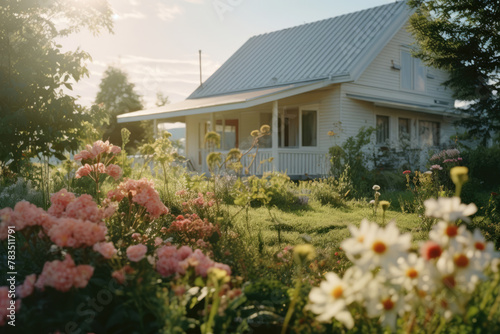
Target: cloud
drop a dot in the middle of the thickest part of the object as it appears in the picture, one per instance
(130, 15)
(195, 1)
(167, 13)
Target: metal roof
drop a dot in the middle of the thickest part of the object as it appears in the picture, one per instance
(343, 45)
(221, 103)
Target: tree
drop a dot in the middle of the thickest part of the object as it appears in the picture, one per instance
(36, 117)
(463, 37)
(161, 99)
(118, 96)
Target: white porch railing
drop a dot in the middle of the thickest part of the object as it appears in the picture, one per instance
(296, 162)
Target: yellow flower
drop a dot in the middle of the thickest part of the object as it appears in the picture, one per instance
(218, 275)
(385, 205)
(459, 175)
(303, 253)
(254, 133)
(331, 133)
(265, 129)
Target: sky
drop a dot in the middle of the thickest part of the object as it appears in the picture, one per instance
(156, 42)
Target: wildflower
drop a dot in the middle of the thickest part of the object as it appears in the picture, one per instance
(355, 245)
(410, 272)
(331, 133)
(218, 275)
(106, 249)
(114, 171)
(430, 250)
(303, 253)
(26, 289)
(436, 167)
(459, 175)
(382, 247)
(63, 275)
(330, 299)
(136, 253)
(254, 133)
(386, 304)
(407, 172)
(376, 187)
(372, 202)
(265, 129)
(445, 234)
(385, 205)
(70, 232)
(449, 209)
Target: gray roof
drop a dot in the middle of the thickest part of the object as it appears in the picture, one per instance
(339, 46)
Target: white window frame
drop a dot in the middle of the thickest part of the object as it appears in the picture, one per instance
(387, 142)
(439, 134)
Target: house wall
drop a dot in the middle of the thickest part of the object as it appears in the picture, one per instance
(380, 73)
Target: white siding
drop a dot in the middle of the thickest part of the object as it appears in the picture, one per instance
(380, 73)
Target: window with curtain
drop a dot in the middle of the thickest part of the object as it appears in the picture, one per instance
(429, 133)
(404, 128)
(413, 73)
(382, 129)
(309, 127)
(228, 131)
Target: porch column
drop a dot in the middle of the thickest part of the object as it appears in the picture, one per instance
(275, 130)
(212, 121)
(155, 129)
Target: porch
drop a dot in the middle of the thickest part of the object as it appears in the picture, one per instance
(297, 163)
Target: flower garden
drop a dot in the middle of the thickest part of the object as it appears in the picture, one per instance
(99, 245)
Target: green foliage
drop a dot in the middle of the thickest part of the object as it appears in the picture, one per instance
(118, 96)
(484, 165)
(461, 37)
(331, 191)
(38, 118)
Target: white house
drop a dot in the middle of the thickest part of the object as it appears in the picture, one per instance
(354, 70)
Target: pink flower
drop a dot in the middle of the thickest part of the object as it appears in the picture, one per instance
(119, 276)
(136, 236)
(83, 171)
(114, 171)
(437, 167)
(83, 208)
(106, 249)
(158, 241)
(83, 155)
(137, 252)
(69, 232)
(407, 172)
(63, 275)
(26, 289)
(60, 201)
(115, 149)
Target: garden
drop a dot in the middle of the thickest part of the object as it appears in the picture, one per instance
(98, 244)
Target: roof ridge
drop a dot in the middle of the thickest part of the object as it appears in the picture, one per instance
(329, 18)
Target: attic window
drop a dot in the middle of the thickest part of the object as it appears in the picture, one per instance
(413, 73)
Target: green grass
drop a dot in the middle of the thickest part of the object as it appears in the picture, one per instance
(327, 226)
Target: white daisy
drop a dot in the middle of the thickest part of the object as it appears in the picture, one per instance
(445, 234)
(411, 272)
(355, 245)
(329, 300)
(387, 305)
(449, 209)
(383, 247)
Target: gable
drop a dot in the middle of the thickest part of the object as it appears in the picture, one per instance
(316, 51)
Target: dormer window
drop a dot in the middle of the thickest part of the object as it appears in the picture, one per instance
(413, 73)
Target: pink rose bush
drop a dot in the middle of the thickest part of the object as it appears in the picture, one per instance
(190, 228)
(137, 252)
(140, 192)
(177, 261)
(63, 275)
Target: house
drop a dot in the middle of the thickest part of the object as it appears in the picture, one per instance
(352, 70)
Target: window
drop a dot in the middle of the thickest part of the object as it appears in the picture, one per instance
(228, 131)
(404, 128)
(382, 129)
(429, 133)
(289, 128)
(298, 127)
(309, 127)
(413, 73)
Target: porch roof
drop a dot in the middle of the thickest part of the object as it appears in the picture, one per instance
(407, 105)
(223, 102)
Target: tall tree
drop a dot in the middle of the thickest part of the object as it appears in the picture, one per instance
(36, 117)
(118, 96)
(463, 37)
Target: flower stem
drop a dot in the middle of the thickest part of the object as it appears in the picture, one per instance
(295, 298)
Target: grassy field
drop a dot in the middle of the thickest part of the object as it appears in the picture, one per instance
(327, 226)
